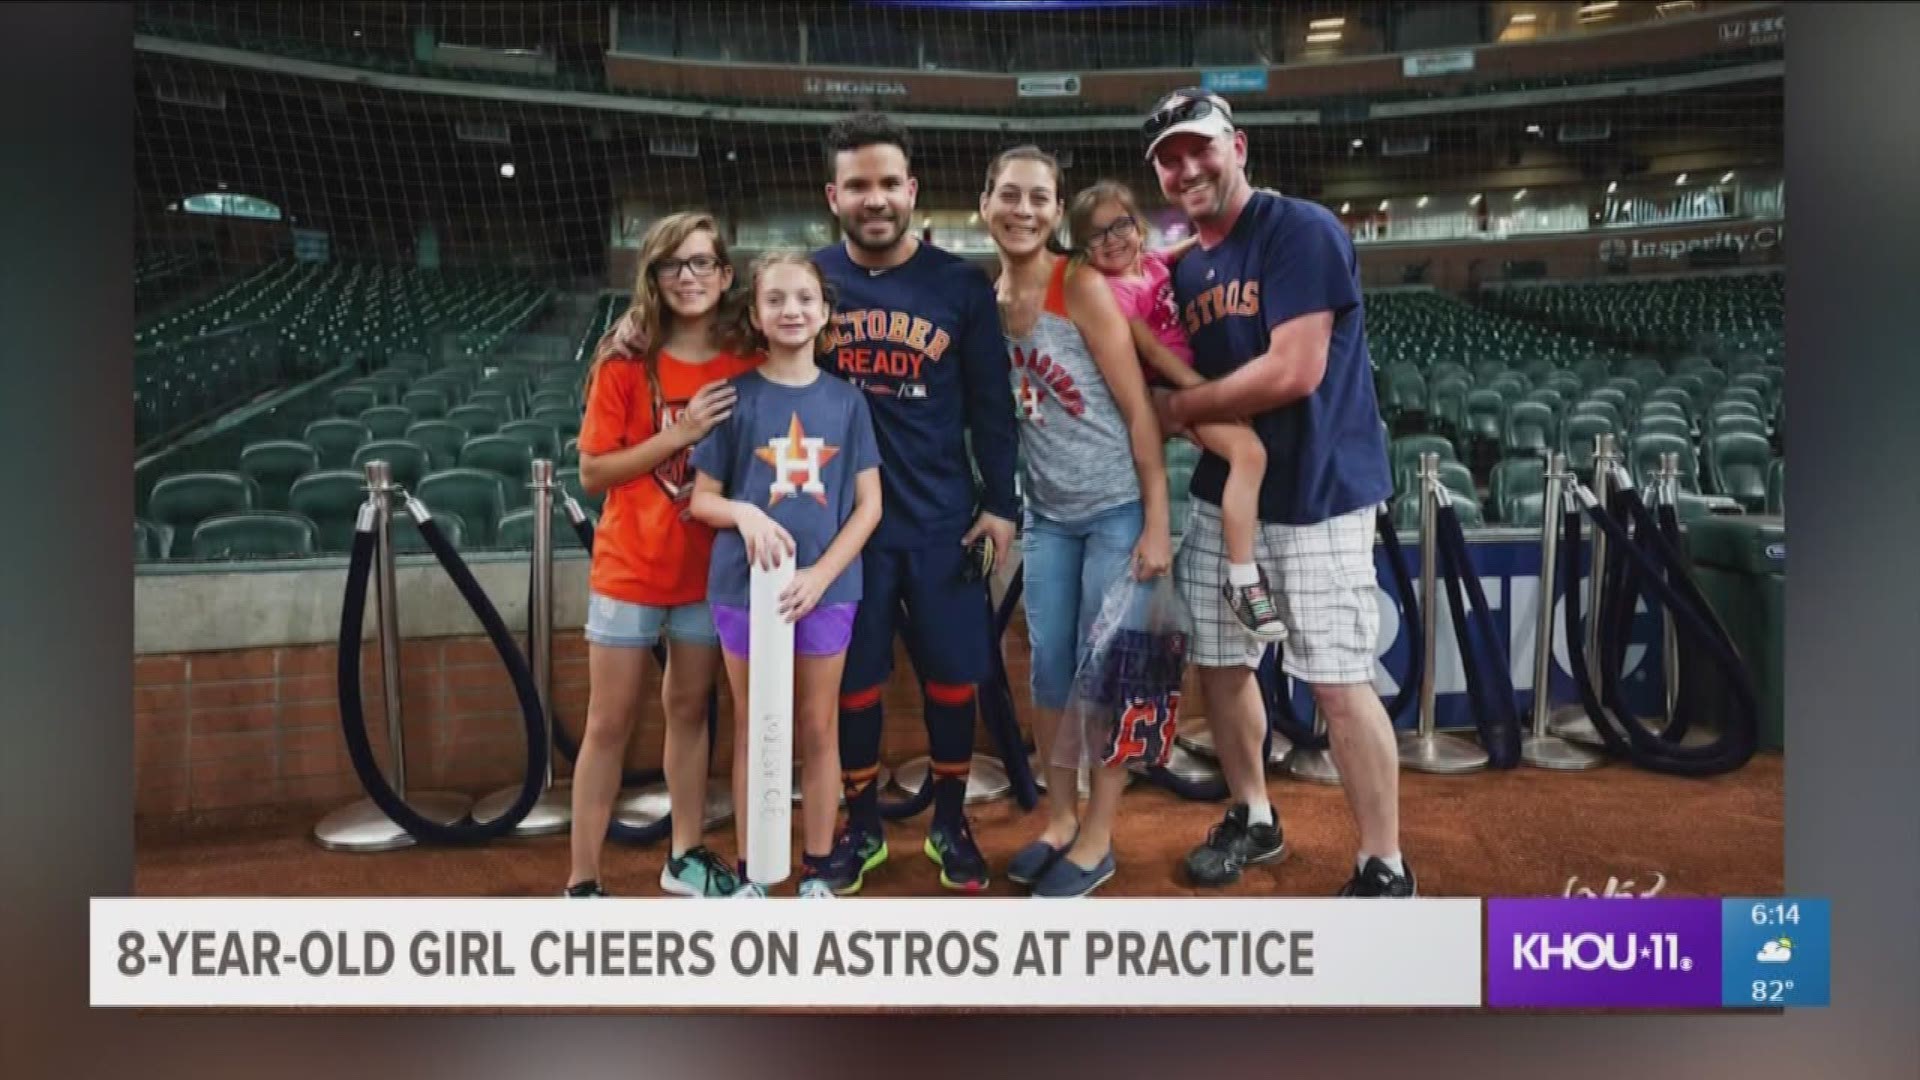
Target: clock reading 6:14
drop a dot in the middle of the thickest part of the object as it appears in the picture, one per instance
(1775, 914)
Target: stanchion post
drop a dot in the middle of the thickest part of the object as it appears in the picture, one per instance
(553, 812)
(1669, 495)
(1541, 749)
(386, 592)
(362, 826)
(1573, 724)
(1427, 750)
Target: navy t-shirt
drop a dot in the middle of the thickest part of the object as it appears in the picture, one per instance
(923, 341)
(1287, 257)
(794, 452)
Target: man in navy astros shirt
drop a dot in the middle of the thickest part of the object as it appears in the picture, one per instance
(918, 329)
(1270, 298)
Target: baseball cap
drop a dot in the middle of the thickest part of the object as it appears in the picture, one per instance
(1189, 110)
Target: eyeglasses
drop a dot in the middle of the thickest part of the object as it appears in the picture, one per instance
(1193, 108)
(1120, 228)
(702, 266)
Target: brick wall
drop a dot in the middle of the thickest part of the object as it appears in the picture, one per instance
(260, 727)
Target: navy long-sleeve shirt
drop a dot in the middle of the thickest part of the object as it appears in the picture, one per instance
(923, 340)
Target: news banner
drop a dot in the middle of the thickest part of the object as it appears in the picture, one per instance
(1558, 953)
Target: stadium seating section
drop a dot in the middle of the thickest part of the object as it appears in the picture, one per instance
(1489, 386)
(291, 321)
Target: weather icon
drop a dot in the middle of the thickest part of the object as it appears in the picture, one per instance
(1777, 951)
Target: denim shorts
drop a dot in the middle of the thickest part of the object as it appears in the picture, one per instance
(1068, 567)
(622, 625)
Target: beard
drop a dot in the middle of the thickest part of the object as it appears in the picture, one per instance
(853, 226)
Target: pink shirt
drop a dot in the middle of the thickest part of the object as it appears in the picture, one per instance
(1150, 299)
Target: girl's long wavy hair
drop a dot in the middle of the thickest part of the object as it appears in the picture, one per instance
(649, 307)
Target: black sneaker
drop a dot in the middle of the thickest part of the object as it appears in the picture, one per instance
(1376, 879)
(585, 890)
(1254, 609)
(1232, 845)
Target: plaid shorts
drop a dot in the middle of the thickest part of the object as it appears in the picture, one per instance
(1323, 583)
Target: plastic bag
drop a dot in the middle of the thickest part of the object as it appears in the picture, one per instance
(1124, 707)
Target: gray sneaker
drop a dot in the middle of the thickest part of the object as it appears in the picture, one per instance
(1253, 607)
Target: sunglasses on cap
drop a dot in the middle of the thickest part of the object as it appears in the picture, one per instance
(1197, 106)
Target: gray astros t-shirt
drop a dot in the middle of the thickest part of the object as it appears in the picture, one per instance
(1079, 454)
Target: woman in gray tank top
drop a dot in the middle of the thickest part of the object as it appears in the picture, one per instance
(1096, 487)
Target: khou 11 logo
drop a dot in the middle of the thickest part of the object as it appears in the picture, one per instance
(1594, 953)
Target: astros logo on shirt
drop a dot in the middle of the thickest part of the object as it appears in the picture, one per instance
(675, 474)
(1027, 399)
(797, 459)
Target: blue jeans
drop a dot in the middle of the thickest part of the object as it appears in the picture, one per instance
(1068, 566)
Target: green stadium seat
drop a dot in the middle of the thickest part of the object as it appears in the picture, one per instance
(430, 403)
(387, 421)
(1737, 463)
(570, 479)
(351, 401)
(183, 500)
(1406, 512)
(541, 438)
(1676, 394)
(503, 403)
(1777, 486)
(1577, 437)
(1748, 394)
(331, 499)
(1567, 384)
(516, 530)
(407, 539)
(564, 421)
(1554, 400)
(151, 542)
(1530, 429)
(441, 439)
(1623, 406)
(257, 534)
(476, 419)
(1447, 404)
(477, 495)
(505, 455)
(1736, 421)
(570, 452)
(552, 399)
(1525, 510)
(407, 460)
(1663, 423)
(1457, 478)
(1485, 411)
(1616, 419)
(1511, 479)
(1511, 386)
(1404, 456)
(1666, 408)
(336, 439)
(1643, 459)
(274, 464)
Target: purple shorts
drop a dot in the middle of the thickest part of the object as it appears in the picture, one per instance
(824, 631)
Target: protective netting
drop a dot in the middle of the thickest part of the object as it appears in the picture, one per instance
(326, 188)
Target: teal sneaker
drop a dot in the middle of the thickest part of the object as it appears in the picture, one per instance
(698, 873)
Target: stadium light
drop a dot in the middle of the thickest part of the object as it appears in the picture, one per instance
(1727, 178)
(1421, 203)
(1474, 199)
(506, 169)
(1327, 24)
(1612, 186)
(1680, 181)
(1522, 18)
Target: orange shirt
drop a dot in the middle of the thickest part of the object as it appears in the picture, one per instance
(644, 550)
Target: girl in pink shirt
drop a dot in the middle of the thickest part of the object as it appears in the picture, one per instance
(1105, 221)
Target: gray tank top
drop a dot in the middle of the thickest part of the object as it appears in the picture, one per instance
(1079, 457)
